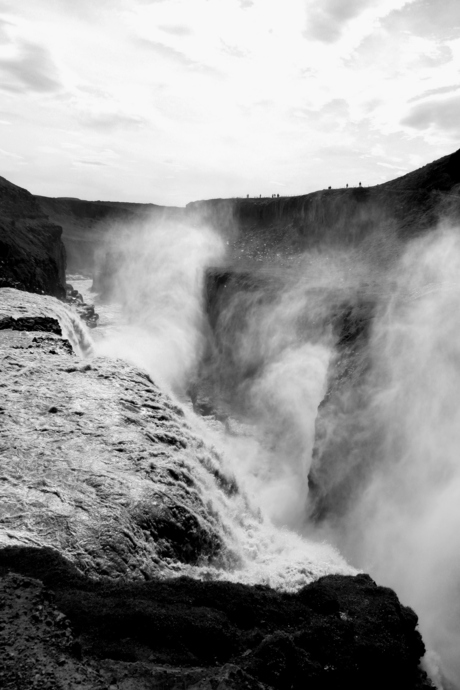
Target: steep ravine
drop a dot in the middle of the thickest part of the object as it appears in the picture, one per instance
(164, 504)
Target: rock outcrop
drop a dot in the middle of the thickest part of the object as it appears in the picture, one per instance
(68, 629)
(32, 255)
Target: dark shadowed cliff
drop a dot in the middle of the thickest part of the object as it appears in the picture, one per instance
(32, 255)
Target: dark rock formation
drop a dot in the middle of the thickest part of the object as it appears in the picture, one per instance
(337, 632)
(31, 323)
(32, 255)
(85, 311)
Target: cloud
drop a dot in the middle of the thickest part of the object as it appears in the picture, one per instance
(334, 113)
(4, 26)
(441, 114)
(82, 162)
(32, 69)
(8, 154)
(326, 20)
(435, 92)
(440, 56)
(108, 121)
(166, 51)
(392, 167)
(176, 29)
(176, 56)
(246, 4)
(232, 50)
(427, 18)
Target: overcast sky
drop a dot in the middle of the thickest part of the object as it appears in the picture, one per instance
(173, 100)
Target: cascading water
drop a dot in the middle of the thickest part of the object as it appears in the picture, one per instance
(260, 368)
(162, 328)
(71, 325)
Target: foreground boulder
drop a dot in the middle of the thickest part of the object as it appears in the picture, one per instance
(337, 632)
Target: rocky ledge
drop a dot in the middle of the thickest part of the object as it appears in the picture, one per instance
(109, 504)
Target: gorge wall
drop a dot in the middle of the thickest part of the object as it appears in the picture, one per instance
(400, 209)
(259, 228)
(32, 255)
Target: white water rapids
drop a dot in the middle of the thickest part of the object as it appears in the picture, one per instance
(402, 521)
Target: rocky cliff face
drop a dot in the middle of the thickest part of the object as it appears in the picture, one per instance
(399, 209)
(32, 255)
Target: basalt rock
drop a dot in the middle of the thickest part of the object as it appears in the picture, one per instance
(31, 323)
(338, 632)
(85, 311)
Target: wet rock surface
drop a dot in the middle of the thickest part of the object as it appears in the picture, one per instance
(85, 311)
(32, 323)
(97, 463)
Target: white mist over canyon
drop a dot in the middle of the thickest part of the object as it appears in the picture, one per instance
(266, 366)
